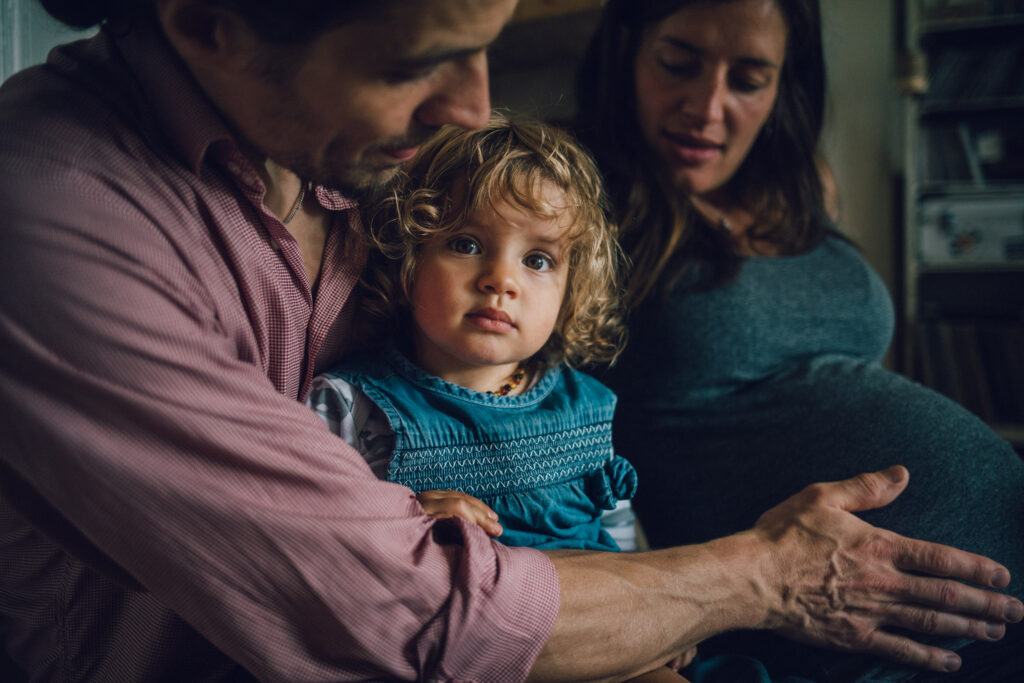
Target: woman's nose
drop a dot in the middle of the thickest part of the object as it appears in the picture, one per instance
(706, 99)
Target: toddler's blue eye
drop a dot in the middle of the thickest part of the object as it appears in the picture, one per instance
(464, 245)
(538, 262)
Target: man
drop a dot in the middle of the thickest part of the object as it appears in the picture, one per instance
(178, 248)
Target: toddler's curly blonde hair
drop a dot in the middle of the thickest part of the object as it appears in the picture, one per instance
(462, 171)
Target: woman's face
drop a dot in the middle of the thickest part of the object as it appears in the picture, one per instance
(706, 80)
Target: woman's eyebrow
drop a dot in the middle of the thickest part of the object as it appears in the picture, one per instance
(682, 44)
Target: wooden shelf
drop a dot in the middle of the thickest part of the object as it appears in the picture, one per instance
(971, 24)
(953, 188)
(933, 109)
(532, 10)
(926, 267)
(1014, 433)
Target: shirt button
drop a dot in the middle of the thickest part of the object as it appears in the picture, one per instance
(234, 168)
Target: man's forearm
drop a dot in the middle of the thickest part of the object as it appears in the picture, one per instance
(625, 613)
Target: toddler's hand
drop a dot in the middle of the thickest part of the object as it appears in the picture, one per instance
(441, 504)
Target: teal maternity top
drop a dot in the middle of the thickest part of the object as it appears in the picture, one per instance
(733, 399)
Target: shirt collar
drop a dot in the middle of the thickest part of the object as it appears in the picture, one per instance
(190, 121)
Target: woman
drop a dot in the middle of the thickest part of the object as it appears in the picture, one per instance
(756, 329)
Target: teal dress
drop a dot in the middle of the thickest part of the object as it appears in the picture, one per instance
(735, 398)
(542, 460)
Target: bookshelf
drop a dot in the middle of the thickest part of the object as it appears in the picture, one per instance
(534, 60)
(963, 215)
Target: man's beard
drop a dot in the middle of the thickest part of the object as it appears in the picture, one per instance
(368, 190)
(356, 181)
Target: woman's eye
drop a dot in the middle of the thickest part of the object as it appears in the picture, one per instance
(538, 262)
(684, 69)
(464, 245)
(746, 85)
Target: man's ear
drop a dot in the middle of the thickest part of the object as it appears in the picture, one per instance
(207, 36)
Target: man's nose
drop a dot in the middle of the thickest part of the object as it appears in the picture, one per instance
(463, 97)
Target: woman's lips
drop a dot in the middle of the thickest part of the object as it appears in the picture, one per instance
(491, 319)
(692, 150)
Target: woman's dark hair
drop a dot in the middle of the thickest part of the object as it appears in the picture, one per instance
(779, 181)
(283, 22)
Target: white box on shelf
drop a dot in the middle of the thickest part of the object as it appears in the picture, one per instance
(979, 229)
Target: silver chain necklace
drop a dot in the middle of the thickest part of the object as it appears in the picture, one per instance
(298, 204)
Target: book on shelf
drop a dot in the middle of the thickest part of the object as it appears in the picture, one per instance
(979, 364)
(967, 76)
(969, 341)
(961, 228)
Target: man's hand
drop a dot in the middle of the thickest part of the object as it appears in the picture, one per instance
(842, 582)
(442, 504)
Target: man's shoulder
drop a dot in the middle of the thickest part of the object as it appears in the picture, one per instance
(74, 108)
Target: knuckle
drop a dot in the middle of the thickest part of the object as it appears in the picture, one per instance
(996, 605)
(949, 594)
(880, 545)
(929, 622)
(869, 483)
(815, 493)
(860, 638)
(978, 630)
(942, 563)
(903, 651)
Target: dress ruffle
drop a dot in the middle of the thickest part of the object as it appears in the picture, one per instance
(615, 481)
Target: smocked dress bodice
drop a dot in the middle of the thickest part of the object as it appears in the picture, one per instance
(542, 460)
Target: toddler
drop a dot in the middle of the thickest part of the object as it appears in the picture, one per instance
(496, 273)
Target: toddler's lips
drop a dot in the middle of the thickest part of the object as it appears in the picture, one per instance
(491, 319)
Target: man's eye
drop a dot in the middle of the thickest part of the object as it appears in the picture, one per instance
(464, 245)
(538, 262)
(409, 73)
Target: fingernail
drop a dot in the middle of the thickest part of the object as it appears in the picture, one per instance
(994, 631)
(895, 474)
(1000, 578)
(1014, 611)
(952, 663)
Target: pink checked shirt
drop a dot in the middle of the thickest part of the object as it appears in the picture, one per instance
(158, 335)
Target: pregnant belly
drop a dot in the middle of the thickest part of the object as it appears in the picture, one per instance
(707, 473)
